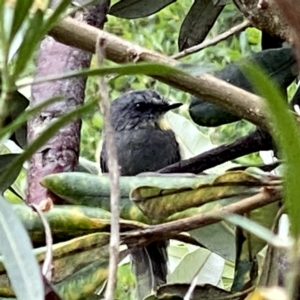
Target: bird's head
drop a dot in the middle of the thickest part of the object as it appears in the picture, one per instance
(139, 109)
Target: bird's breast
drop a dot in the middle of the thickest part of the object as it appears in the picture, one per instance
(146, 150)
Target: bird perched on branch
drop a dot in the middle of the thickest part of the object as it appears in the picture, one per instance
(143, 144)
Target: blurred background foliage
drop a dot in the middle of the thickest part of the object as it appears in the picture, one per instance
(160, 33)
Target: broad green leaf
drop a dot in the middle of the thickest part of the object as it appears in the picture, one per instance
(19, 260)
(286, 132)
(218, 238)
(191, 141)
(68, 257)
(84, 282)
(69, 221)
(197, 23)
(131, 9)
(203, 262)
(158, 201)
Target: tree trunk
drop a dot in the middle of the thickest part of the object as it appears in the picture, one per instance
(60, 153)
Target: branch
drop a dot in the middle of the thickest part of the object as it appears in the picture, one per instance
(219, 38)
(243, 104)
(114, 177)
(166, 231)
(60, 153)
(253, 142)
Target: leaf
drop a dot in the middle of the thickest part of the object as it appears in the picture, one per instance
(286, 132)
(21, 12)
(19, 260)
(218, 238)
(5, 160)
(159, 201)
(191, 141)
(258, 230)
(68, 257)
(20, 117)
(178, 291)
(84, 282)
(18, 104)
(131, 9)
(31, 37)
(125, 69)
(85, 165)
(206, 264)
(68, 221)
(197, 23)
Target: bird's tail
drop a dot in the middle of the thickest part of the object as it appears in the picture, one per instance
(149, 265)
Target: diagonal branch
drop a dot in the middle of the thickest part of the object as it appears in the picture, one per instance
(243, 104)
(167, 230)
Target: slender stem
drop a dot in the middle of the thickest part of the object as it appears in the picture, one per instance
(219, 38)
(114, 176)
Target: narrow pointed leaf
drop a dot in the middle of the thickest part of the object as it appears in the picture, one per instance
(197, 23)
(19, 261)
(131, 9)
(286, 132)
(21, 12)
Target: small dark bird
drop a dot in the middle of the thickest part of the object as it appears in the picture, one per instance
(144, 144)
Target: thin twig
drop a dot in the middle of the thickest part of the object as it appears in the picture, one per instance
(47, 265)
(189, 294)
(219, 38)
(114, 174)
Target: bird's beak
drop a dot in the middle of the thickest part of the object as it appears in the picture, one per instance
(168, 107)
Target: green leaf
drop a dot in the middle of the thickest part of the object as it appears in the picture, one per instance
(19, 119)
(32, 38)
(218, 238)
(19, 260)
(5, 160)
(197, 23)
(131, 9)
(191, 141)
(168, 197)
(54, 17)
(286, 132)
(206, 264)
(125, 69)
(256, 229)
(21, 12)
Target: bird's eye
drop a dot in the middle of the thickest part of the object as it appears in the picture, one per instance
(141, 106)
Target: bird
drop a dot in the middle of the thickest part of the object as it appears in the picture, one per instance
(144, 144)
